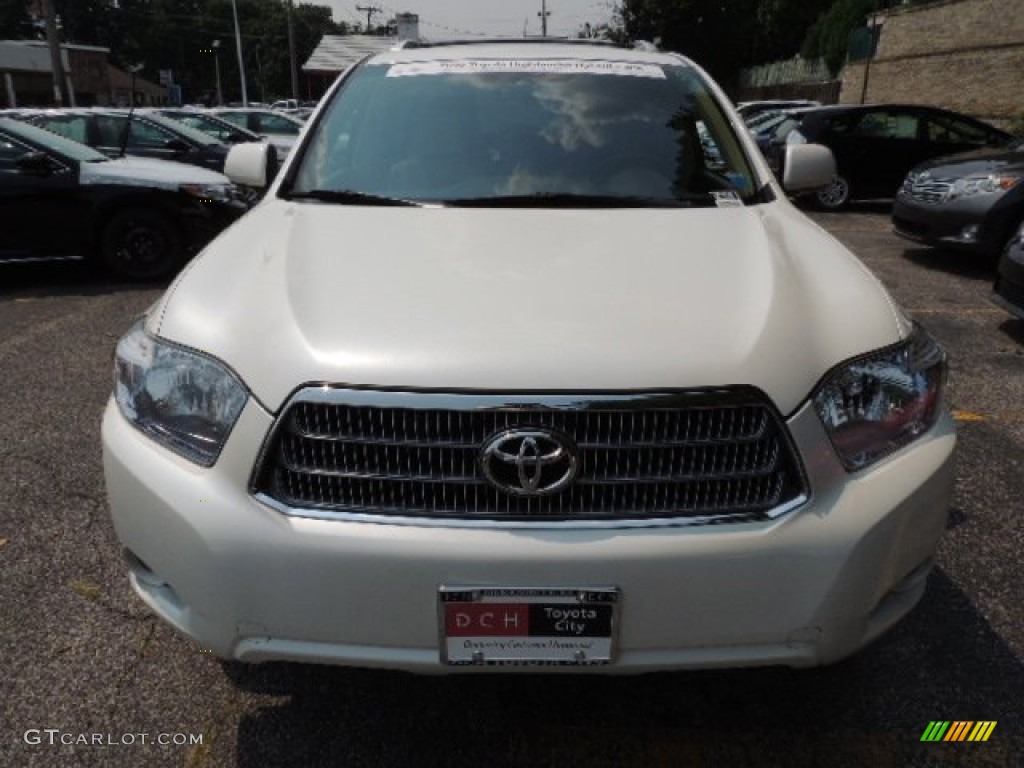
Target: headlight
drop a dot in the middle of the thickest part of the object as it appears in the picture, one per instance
(876, 404)
(221, 193)
(184, 400)
(909, 182)
(987, 184)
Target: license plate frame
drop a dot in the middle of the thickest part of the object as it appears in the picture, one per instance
(528, 626)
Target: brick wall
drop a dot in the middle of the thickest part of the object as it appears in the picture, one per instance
(966, 55)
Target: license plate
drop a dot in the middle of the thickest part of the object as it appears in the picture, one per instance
(497, 626)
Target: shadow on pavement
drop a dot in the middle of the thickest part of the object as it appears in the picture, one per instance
(943, 662)
(970, 265)
(71, 278)
(1014, 329)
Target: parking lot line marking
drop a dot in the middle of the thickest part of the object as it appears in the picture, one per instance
(967, 416)
(959, 415)
(958, 311)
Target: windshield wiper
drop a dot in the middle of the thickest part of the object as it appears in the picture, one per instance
(573, 200)
(348, 197)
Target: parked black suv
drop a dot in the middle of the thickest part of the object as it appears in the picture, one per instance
(875, 145)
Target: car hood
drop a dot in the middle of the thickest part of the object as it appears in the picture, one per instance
(570, 300)
(973, 162)
(147, 172)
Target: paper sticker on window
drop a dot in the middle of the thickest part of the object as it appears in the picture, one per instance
(528, 66)
(727, 199)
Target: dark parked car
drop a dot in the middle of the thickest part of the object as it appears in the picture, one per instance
(279, 129)
(62, 200)
(221, 130)
(764, 125)
(208, 123)
(875, 145)
(115, 132)
(972, 201)
(750, 109)
(1009, 288)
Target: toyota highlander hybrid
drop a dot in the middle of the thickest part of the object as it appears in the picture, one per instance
(525, 361)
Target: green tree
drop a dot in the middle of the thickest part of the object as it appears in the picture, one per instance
(178, 35)
(723, 36)
(14, 21)
(829, 36)
(716, 34)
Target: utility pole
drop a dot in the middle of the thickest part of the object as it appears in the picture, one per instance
(370, 10)
(241, 62)
(544, 13)
(215, 47)
(60, 82)
(291, 54)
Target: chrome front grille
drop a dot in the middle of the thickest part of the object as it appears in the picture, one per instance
(701, 456)
(933, 191)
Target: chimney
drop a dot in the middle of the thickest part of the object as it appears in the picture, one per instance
(408, 26)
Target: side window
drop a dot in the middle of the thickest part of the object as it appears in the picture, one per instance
(74, 128)
(145, 135)
(951, 130)
(276, 124)
(213, 129)
(888, 125)
(110, 130)
(904, 126)
(842, 124)
(10, 152)
(235, 118)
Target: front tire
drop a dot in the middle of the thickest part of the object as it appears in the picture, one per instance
(141, 244)
(835, 196)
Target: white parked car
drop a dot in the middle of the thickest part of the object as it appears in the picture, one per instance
(280, 129)
(501, 373)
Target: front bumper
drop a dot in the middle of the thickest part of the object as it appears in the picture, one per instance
(975, 224)
(1009, 286)
(252, 584)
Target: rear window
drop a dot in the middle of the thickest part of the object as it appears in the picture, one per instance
(441, 131)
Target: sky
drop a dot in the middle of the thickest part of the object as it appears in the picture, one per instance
(445, 19)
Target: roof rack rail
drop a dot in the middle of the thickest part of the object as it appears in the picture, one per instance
(406, 44)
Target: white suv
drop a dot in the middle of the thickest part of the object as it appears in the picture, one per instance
(525, 360)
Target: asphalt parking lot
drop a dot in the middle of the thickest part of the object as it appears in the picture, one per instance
(89, 678)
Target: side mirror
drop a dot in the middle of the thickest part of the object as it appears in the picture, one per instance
(176, 145)
(236, 138)
(251, 164)
(36, 164)
(807, 167)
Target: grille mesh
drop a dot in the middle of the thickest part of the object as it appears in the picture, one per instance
(933, 191)
(727, 461)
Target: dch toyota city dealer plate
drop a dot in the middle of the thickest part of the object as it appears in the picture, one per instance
(498, 626)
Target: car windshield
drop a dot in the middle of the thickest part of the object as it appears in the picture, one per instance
(53, 141)
(507, 131)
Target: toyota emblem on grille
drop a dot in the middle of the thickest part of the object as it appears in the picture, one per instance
(529, 462)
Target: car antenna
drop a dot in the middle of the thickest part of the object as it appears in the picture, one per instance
(134, 69)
